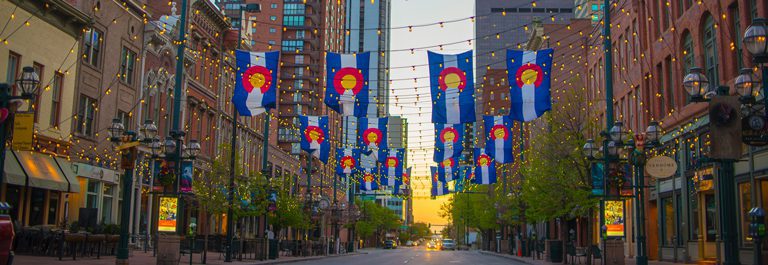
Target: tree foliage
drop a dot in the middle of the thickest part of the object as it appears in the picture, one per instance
(556, 178)
(375, 219)
(419, 230)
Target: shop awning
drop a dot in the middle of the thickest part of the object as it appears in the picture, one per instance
(13, 173)
(66, 168)
(43, 172)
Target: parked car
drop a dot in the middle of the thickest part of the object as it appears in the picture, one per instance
(448, 244)
(390, 244)
(409, 243)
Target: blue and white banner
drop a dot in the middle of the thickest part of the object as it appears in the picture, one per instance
(392, 166)
(314, 140)
(529, 73)
(439, 188)
(256, 82)
(347, 159)
(453, 88)
(372, 134)
(368, 180)
(448, 141)
(448, 170)
(485, 168)
(346, 89)
(498, 138)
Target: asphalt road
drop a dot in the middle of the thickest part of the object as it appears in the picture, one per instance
(413, 256)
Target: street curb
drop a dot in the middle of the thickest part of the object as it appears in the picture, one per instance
(310, 258)
(518, 259)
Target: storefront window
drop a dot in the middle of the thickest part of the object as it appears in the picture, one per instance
(745, 204)
(36, 205)
(710, 218)
(12, 196)
(92, 197)
(668, 221)
(693, 209)
(106, 209)
(53, 208)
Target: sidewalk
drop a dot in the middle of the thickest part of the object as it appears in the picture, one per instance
(139, 257)
(530, 261)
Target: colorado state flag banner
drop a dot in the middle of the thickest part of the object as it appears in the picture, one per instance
(314, 133)
(485, 169)
(372, 134)
(448, 170)
(347, 159)
(392, 167)
(346, 88)
(256, 82)
(498, 138)
(529, 92)
(368, 181)
(448, 141)
(438, 187)
(453, 88)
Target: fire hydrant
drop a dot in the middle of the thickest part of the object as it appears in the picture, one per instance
(6, 234)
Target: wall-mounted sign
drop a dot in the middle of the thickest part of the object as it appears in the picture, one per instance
(167, 218)
(23, 129)
(661, 166)
(614, 218)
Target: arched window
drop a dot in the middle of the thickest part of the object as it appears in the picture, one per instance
(709, 42)
(688, 58)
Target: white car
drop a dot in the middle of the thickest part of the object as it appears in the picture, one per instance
(448, 244)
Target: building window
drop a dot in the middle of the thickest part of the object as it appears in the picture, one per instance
(85, 115)
(300, 34)
(272, 30)
(736, 33)
(92, 46)
(299, 59)
(693, 208)
(688, 58)
(127, 61)
(39, 69)
(56, 87)
(106, 203)
(12, 72)
(670, 225)
(293, 9)
(273, 18)
(709, 40)
(53, 208)
(294, 21)
(271, 42)
(293, 45)
(92, 195)
(125, 119)
(710, 217)
(273, 6)
(669, 77)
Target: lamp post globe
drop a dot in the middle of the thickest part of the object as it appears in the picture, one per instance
(696, 83)
(149, 129)
(747, 85)
(589, 149)
(155, 147)
(169, 146)
(613, 148)
(618, 132)
(193, 149)
(29, 82)
(755, 39)
(116, 130)
(652, 132)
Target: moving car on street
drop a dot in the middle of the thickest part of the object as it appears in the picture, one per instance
(390, 244)
(448, 244)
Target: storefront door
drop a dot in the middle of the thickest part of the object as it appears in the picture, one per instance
(708, 229)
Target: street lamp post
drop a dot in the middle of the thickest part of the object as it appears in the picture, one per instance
(638, 159)
(29, 82)
(127, 143)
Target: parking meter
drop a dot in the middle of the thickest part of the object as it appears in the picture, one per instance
(757, 231)
(6, 234)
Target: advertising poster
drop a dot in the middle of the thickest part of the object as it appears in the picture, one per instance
(186, 176)
(23, 129)
(167, 218)
(614, 218)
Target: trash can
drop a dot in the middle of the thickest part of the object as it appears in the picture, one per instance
(555, 251)
(273, 249)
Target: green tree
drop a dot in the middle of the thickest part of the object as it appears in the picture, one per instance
(471, 210)
(289, 213)
(419, 230)
(375, 220)
(557, 181)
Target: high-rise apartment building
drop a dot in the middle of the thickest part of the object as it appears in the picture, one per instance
(504, 24)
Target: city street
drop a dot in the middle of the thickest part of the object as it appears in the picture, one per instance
(414, 255)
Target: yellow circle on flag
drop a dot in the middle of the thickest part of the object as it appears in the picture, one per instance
(452, 80)
(348, 82)
(529, 76)
(257, 80)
